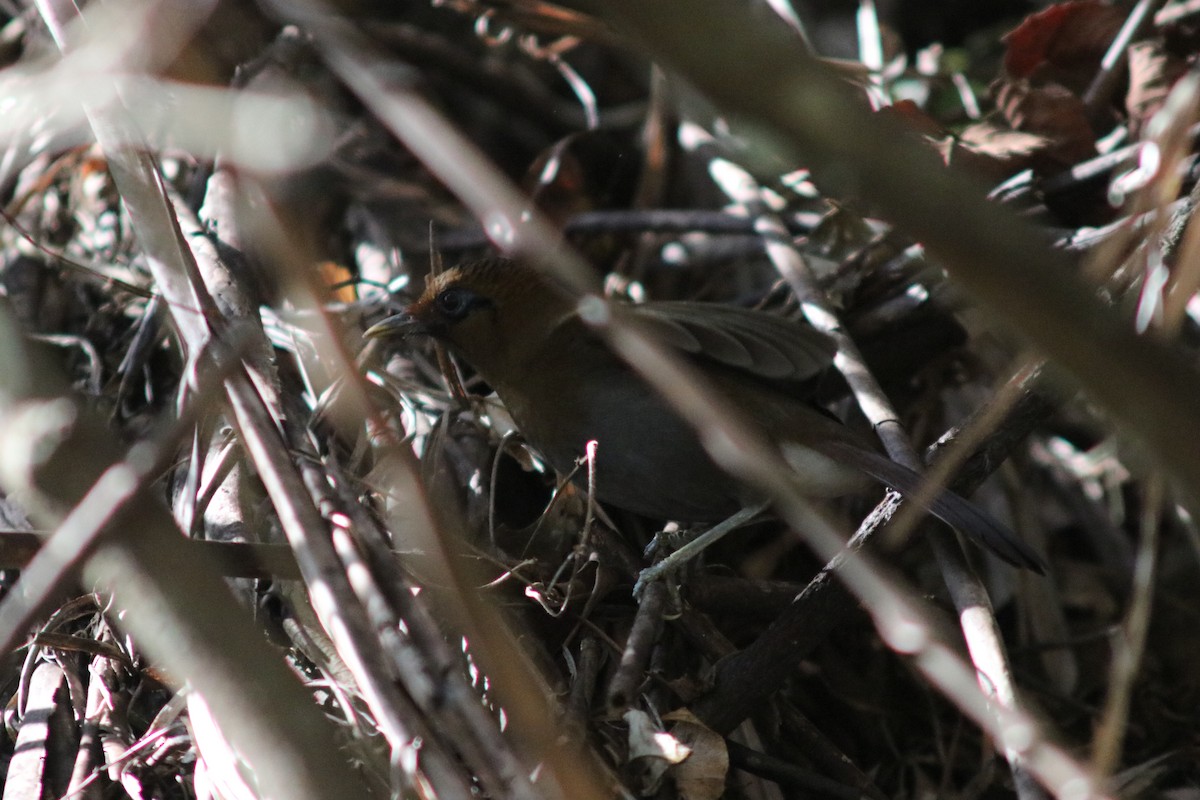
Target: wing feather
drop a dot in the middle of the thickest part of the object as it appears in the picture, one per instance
(760, 343)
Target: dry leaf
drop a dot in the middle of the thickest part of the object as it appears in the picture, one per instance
(913, 116)
(651, 752)
(992, 152)
(1051, 111)
(702, 775)
(1152, 73)
(1062, 44)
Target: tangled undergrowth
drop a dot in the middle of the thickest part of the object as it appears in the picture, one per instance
(248, 553)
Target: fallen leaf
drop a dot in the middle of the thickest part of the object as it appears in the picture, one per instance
(1152, 73)
(702, 775)
(1063, 43)
(651, 752)
(914, 117)
(1053, 112)
(993, 153)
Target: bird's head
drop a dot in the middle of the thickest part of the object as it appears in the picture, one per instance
(495, 313)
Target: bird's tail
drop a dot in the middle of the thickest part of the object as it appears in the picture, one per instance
(956, 511)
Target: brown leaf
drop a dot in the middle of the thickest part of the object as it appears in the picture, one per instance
(914, 117)
(1050, 111)
(995, 153)
(651, 752)
(1152, 73)
(985, 149)
(1063, 43)
(702, 775)
(340, 281)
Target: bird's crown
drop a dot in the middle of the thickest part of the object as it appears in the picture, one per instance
(455, 294)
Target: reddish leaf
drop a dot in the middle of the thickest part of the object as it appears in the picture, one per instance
(1064, 43)
(913, 116)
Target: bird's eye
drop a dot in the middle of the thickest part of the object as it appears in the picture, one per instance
(456, 302)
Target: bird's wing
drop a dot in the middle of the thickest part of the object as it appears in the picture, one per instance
(755, 341)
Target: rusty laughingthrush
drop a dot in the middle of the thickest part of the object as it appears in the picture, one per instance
(564, 387)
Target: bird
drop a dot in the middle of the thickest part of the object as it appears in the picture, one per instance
(521, 331)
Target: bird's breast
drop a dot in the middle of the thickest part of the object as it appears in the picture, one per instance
(648, 460)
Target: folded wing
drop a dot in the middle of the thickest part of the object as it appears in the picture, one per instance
(762, 344)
